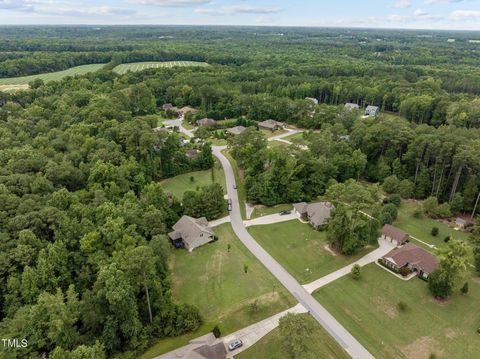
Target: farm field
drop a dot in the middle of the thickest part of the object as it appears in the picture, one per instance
(178, 185)
(300, 249)
(214, 280)
(51, 76)
(367, 308)
(421, 227)
(139, 66)
(270, 346)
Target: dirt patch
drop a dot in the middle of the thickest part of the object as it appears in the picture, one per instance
(421, 348)
(330, 250)
(351, 315)
(385, 306)
(13, 87)
(451, 333)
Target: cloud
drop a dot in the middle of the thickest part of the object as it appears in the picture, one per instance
(237, 9)
(465, 15)
(171, 3)
(430, 2)
(420, 13)
(402, 4)
(18, 5)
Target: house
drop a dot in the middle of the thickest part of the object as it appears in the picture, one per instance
(271, 125)
(344, 137)
(169, 107)
(372, 111)
(314, 100)
(192, 153)
(351, 106)
(206, 351)
(412, 257)
(460, 223)
(237, 130)
(191, 233)
(184, 110)
(206, 122)
(317, 214)
(394, 235)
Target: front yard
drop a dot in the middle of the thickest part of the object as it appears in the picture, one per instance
(269, 347)
(300, 249)
(178, 185)
(214, 280)
(367, 308)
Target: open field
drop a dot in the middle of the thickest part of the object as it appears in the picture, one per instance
(139, 66)
(300, 249)
(178, 185)
(421, 227)
(214, 280)
(261, 211)
(368, 309)
(297, 139)
(51, 76)
(269, 346)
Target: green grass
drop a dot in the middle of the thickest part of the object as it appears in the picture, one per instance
(297, 139)
(269, 347)
(421, 227)
(52, 76)
(269, 133)
(298, 247)
(241, 191)
(178, 185)
(368, 309)
(214, 281)
(139, 66)
(261, 211)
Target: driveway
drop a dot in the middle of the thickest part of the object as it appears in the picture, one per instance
(270, 219)
(384, 248)
(179, 123)
(326, 320)
(218, 222)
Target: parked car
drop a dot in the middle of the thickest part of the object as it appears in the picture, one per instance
(229, 205)
(234, 186)
(235, 344)
(284, 213)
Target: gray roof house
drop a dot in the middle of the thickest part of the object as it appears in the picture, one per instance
(191, 233)
(271, 125)
(317, 214)
(169, 107)
(314, 100)
(372, 111)
(351, 106)
(206, 122)
(237, 130)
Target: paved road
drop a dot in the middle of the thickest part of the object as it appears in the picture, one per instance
(326, 320)
(178, 123)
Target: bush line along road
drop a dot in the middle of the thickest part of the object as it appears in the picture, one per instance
(326, 320)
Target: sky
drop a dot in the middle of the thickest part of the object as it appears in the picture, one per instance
(408, 14)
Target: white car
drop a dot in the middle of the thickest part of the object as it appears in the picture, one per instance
(235, 344)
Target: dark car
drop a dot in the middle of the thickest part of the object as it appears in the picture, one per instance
(235, 344)
(284, 213)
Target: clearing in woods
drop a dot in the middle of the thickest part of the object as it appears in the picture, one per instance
(139, 66)
(50, 76)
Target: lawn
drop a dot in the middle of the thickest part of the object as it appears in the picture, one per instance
(300, 249)
(52, 76)
(368, 309)
(421, 227)
(214, 280)
(269, 347)
(297, 139)
(180, 184)
(268, 133)
(139, 66)
(261, 211)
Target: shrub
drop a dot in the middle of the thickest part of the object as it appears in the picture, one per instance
(443, 211)
(404, 271)
(402, 306)
(464, 289)
(417, 213)
(355, 272)
(216, 331)
(434, 231)
(391, 184)
(406, 189)
(439, 285)
(395, 199)
(192, 179)
(446, 239)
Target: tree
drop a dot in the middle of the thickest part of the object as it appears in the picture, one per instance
(216, 331)
(295, 337)
(245, 268)
(391, 184)
(389, 214)
(464, 288)
(434, 231)
(406, 188)
(207, 202)
(355, 271)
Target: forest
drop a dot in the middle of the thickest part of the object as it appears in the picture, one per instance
(83, 217)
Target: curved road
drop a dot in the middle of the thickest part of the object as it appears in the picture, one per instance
(326, 320)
